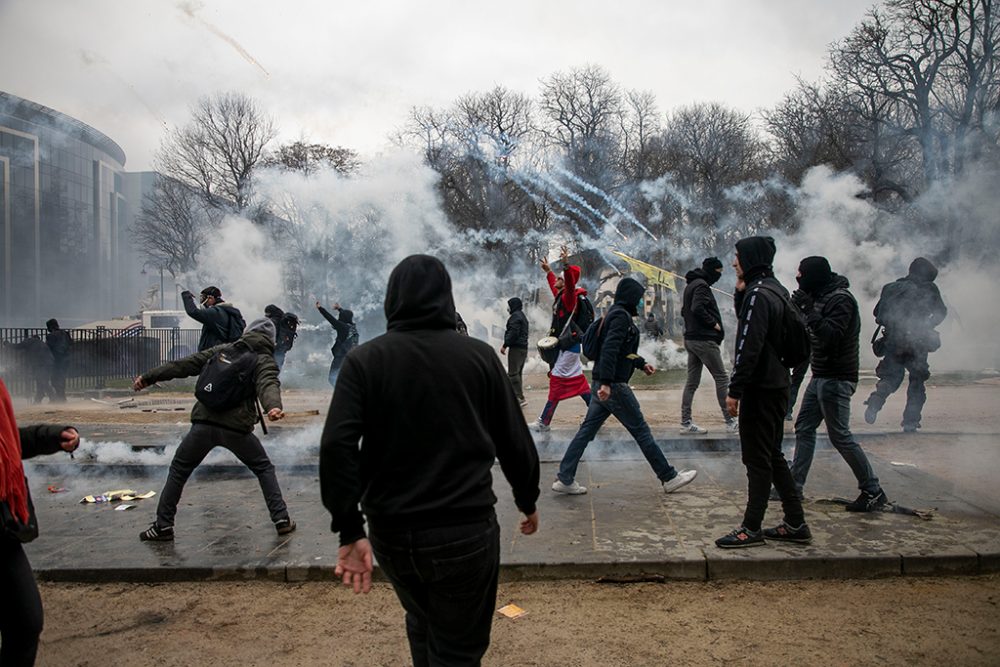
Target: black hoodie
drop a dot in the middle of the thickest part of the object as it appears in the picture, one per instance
(620, 337)
(834, 326)
(700, 310)
(343, 324)
(516, 334)
(432, 409)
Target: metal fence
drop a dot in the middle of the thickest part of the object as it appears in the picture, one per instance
(98, 358)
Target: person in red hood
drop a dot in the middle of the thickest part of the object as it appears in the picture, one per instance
(566, 379)
(21, 609)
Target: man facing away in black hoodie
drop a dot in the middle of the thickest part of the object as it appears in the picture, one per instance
(347, 337)
(703, 335)
(515, 345)
(432, 409)
(617, 360)
(758, 394)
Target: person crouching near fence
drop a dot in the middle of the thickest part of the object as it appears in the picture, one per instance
(231, 379)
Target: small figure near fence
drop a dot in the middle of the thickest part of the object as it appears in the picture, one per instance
(37, 357)
(59, 343)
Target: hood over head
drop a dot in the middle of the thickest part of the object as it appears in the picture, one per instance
(628, 294)
(514, 304)
(419, 295)
(52, 324)
(573, 271)
(756, 252)
(262, 325)
(922, 270)
(346, 316)
(272, 310)
(815, 274)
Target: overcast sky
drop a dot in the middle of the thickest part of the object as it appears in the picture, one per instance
(346, 73)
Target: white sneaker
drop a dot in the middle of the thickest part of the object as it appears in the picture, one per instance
(683, 478)
(538, 427)
(523, 402)
(573, 489)
(733, 427)
(691, 427)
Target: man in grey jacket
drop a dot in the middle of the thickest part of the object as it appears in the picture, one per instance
(231, 428)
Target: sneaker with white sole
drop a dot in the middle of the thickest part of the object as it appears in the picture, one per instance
(691, 427)
(573, 489)
(284, 526)
(156, 534)
(733, 427)
(523, 402)
(740, 538)
(683, 478)
(539, 427)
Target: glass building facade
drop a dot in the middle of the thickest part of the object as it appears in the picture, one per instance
(66, 205)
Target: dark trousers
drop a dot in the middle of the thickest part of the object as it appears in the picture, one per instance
(516, 357)
(20, 609)
(446, 580)
(58, 379)
(43, 385)
(338, 361)
(195, 446)
(890, 375)
(762, 416)
(279, 358)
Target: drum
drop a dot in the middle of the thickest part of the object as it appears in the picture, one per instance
(548, 343)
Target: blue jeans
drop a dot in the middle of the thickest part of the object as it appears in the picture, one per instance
(625, 407)
(446, 579)
(830, 401)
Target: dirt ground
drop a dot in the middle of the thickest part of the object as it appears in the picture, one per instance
(899, 621)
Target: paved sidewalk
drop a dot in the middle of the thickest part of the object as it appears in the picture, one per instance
(625, 526)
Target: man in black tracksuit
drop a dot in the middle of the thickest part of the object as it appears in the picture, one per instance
(432, 409)
(221, 322)
(834, 326)
(703, 335)
(613, 368)
(515, 345)
(909, 309)
(758, 393)
(347, 337)
(59, 343)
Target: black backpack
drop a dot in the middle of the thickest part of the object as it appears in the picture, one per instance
(227, 379)
(591, 343)
(287, 331)
(796, 346)
(584, 313)
(234, 326)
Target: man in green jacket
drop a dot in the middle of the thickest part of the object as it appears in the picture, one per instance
(230, 428)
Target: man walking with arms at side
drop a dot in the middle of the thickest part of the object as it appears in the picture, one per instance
(613, 368)
(703, 335)
(424, 481)
(758, 394)
(515, 346)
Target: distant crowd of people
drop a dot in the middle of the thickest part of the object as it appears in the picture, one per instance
(420, 414)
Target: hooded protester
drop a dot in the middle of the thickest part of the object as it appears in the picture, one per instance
(347, 337)
(286, 327)
(909, 308)
(59, 343)
(703, 336)
(758, 395)
(21, 609)
(834, 325)
(566, 378)
(221, 322)
(424, 481)
(230, 426)
(39, 361)
(613, 368)
(652, 327)
(515, 339)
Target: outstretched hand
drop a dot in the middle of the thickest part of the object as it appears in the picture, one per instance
(69, 439)
(138, 384)
(354, 565)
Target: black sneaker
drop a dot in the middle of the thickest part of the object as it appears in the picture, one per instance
(156, 534)
(284, 526)
(785, 533)
(741, 537)
(911, 428)
(867, 502)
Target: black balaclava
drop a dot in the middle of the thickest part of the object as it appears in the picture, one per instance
(816, 274)
(52, 324)
(756, 256)
(419, 295)
(628, 294)
(513, 305)
(711, 266)
(922, 270)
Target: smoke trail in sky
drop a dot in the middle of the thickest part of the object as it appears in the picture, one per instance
(614, 203)
(190, 9)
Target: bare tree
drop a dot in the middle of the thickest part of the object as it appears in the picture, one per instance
(173, 226)
(217, 151)
(308, 158)
(640, 122)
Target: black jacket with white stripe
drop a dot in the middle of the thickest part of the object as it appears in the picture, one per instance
(758, 335)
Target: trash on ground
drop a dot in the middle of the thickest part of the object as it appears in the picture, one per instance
(122, 508)
(120, 494)
(512, 611)
(631, 579)
(56, 489)
(904, 464)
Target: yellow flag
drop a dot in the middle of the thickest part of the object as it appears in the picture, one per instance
(654, 274)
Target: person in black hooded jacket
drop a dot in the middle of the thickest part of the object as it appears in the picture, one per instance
(347, 337)
(615, 363)
(59, 342)
(758, 394)
(221, 321)
(834, 326)
(422, 473)
(703, 335)
(515, 341)
(909, 309)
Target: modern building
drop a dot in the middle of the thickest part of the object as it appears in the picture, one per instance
(66, 205)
